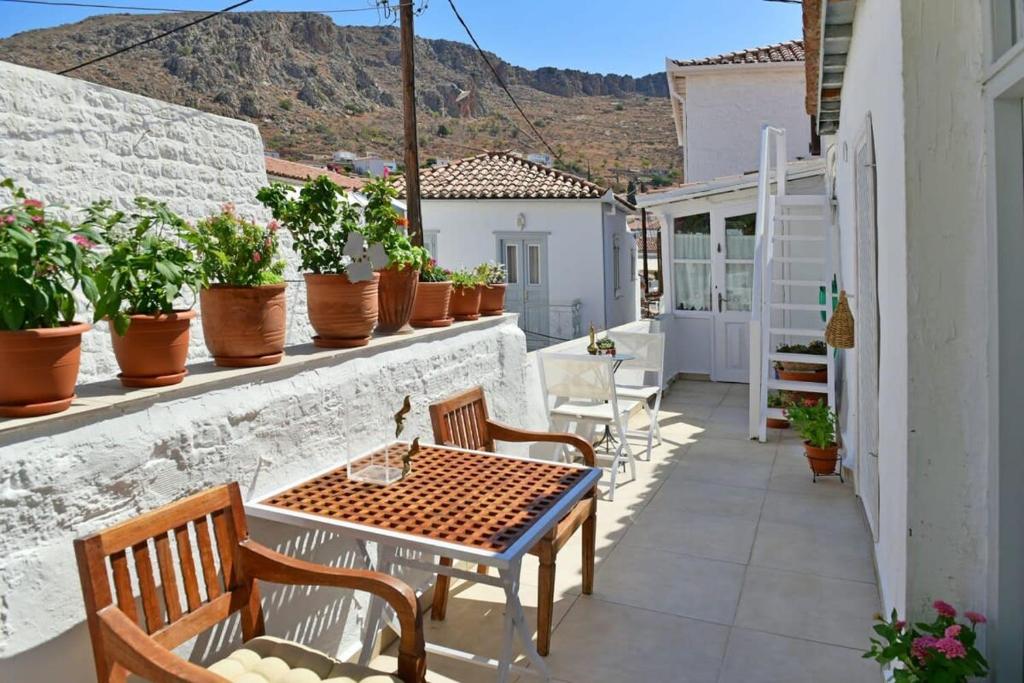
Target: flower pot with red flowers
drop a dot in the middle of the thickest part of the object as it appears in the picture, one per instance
(817, 427)
(141, 283)
(243, 294)
(433, 297)
(492, 297)
(466, 293)
(341, 285)
(44, 260)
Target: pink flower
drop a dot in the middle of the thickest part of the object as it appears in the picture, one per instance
(953, 631)
(944, 609)
(273, 226)
(9, 218)
(951, 647)
(37, 219)
(976, 617)
(33, 203)
(256, 258)
(83, 241)
(387, 171)
(921, 647)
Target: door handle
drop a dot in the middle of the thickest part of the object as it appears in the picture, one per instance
(720, 300)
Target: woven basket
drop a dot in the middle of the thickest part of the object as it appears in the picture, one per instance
(839, 331)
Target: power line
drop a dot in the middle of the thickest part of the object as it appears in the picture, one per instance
(504, 87)
(56, 3)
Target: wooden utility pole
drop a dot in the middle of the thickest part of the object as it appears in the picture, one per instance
(412, 156)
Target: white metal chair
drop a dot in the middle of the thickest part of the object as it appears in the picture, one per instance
(580, 390)
(631, 378)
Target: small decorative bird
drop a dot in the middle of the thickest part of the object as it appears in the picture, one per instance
(400, 416)
(414, 448)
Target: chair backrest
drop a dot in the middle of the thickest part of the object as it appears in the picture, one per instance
(461, 421)
(575, 376)
(182, 557)
(649, 349)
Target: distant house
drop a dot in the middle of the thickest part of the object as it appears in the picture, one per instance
(344, 157)
(542, 159)
(374, 166)
(720, 103)
(293, 173)
(562, 238)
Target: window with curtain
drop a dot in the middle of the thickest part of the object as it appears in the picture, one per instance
(739, 261)
(691, 262)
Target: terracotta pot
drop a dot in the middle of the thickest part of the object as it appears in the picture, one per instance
(39, 368)
(343, 313)
(244, 326)
(430, 308)
(492, 300)
(395, 298)
(777, 423)
(466, 303)
(820, 376)
(153, 350)
(821, 460)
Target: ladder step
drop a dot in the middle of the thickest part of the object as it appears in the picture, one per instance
(801, 200)
(799, 238)
(798, 357)
(812, 387)
(799, 283)
(777, 413)
(798, 218)
(799, 259)
(799, 307)
(796, 332)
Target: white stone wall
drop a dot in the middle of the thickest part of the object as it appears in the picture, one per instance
(73, 477)
(71, 142)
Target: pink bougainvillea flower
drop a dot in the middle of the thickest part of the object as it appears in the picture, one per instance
(944, 609)
(37, 219)
(953, 631)
(83, 241)
(976, 617)
(273, 226)
(951, 647)
(256, 258)
(9, 218)
(921, 647)
(387, 171)
(33, 203)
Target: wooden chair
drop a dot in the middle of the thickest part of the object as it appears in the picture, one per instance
(462, 421)
(212, 525)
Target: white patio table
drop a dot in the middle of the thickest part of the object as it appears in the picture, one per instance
(484, 508)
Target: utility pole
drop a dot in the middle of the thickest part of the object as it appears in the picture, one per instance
(412, 157)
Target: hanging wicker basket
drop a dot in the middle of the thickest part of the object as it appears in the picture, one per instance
(839, 331)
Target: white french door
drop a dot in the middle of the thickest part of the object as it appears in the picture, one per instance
(526, 264)
(732, 284)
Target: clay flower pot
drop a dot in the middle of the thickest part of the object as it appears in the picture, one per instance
(492, 300)
(153, 350)
(39, 368)
(821, 460)
(343, 313)
(395, 298)
(466, 303)
(430, 308)
(776, 423)
(244, 326)
(802, 375)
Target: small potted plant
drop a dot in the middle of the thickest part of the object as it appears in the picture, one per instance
(606, 347)
(433, 297)
(466, 294)
(777, 399)
(242, 298)
(798, 371)
(140, 282)
(341, 287)
(42, 261)
(817, 427)
(942, 650)
(492, 297)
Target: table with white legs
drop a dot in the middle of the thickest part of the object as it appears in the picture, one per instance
(483, 508)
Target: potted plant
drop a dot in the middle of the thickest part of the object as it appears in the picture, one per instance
(341, 287)
(433, 297)
(777, 399)
(817, 427)
(466, 293)
(242, 298)
(140, 282)
(606, 347)
(42, 261)
(398, 280)
(797, 371)
(492, 297)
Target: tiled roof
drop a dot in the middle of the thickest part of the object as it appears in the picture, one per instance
(501, 175)
(296, 171)
(790, 51)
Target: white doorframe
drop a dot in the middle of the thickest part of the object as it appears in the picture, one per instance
(730, 303)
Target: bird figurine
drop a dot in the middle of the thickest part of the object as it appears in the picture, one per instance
(400, 416)
(414, 448)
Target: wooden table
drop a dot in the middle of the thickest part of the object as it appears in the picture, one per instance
(480, 507)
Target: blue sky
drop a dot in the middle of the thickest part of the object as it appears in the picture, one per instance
(619, 36)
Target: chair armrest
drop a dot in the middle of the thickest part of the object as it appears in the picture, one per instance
(503, 432)
(260, 562)
(129, 646)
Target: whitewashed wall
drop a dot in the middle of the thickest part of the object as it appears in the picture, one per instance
(620, 306)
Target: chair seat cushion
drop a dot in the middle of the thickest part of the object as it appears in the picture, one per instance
(272, 660)
(639, 393)
(599, 412)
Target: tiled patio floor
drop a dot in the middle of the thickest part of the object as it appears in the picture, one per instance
(721, 563)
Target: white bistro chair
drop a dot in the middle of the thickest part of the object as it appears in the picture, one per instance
(580, 390)
(631, 380)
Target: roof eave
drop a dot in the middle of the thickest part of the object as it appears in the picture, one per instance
(693, 69)
(832, 45)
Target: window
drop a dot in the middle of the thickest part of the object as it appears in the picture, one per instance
(739, 261)
(533, 262)
(430, 242)
(1005, 15)
(512, 263)
(691, 262)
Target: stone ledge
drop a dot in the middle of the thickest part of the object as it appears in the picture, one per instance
(101, 400)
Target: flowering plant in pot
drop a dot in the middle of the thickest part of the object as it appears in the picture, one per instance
(817, 427)
(341, 286)
(242, 298)
(433, 297)
(466, 293)
(140, 283)
(942, 650)
(42, 261)
(492, 297)
(398, 281)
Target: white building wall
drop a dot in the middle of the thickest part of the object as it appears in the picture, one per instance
(725, 109)
(620, 304)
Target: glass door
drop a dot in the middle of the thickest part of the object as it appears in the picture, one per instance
(732, 290)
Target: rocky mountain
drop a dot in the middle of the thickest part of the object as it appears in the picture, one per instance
(314, 87)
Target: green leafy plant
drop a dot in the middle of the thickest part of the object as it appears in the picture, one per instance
(778, 399)
(382, 224)
(149, 265)
(464, 279)
(816, 424)
(234, 251)
(815, 348)
(606, 344)
(42, 261)
(942, 651)
(431, 272)
(491, 273)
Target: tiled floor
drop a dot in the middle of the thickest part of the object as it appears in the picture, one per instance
(721, 563)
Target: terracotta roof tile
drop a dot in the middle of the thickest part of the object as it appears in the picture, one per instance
(790, 51)
(297, 171)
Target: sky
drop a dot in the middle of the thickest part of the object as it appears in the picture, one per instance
(606, 36)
